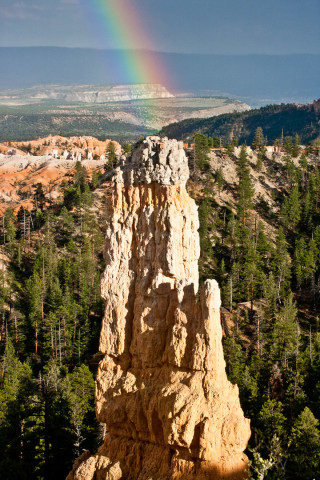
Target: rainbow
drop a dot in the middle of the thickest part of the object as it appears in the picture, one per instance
(119, 22)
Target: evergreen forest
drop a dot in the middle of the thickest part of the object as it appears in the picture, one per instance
(268, 266)
(51, 312)
(288, 119)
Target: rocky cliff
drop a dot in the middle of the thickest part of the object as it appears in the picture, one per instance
(161, 389)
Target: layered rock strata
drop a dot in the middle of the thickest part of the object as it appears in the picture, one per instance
(161, 389)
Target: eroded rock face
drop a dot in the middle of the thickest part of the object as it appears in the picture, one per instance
(161, 388)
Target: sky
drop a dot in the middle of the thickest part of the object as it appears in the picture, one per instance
(183, 26)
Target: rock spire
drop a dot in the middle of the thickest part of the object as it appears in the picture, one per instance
(161, 388)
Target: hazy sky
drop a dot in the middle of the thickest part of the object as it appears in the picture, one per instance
(189, 26)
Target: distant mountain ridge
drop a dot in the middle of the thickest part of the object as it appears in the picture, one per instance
(275, 120)
(255, 79)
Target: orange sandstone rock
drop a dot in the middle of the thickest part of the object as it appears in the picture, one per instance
(57, 145)
(161, 389)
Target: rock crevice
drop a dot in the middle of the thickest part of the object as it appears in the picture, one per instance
(161, 388)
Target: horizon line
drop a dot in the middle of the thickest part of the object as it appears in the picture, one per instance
(160, 51)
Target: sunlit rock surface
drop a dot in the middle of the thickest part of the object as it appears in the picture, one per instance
(161, 389)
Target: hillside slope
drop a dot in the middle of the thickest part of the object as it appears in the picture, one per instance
(275, 120)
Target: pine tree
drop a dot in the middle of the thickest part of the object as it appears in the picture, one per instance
(36, 294)
(271, 421)
(305, 446)
(9, 226)
(80, 396)
(284, 333)
(245, 187)
(80, 176)
(16, 433)
(281, 264)
(201, 150)
(127, 148)
(296, 147)
(291, 209)
(39, 197)
(220, 181)
(95, 179)
(259, 140)
(111, 155)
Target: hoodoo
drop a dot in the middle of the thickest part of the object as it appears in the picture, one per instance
(161, 389)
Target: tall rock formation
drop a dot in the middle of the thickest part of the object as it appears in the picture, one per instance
(161, 389)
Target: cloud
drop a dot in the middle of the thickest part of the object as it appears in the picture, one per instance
(16, 11)
(69, 2)
(6, 13)
(21, 10)
(67, 5)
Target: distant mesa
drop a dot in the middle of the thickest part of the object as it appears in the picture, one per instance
(87, 93)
